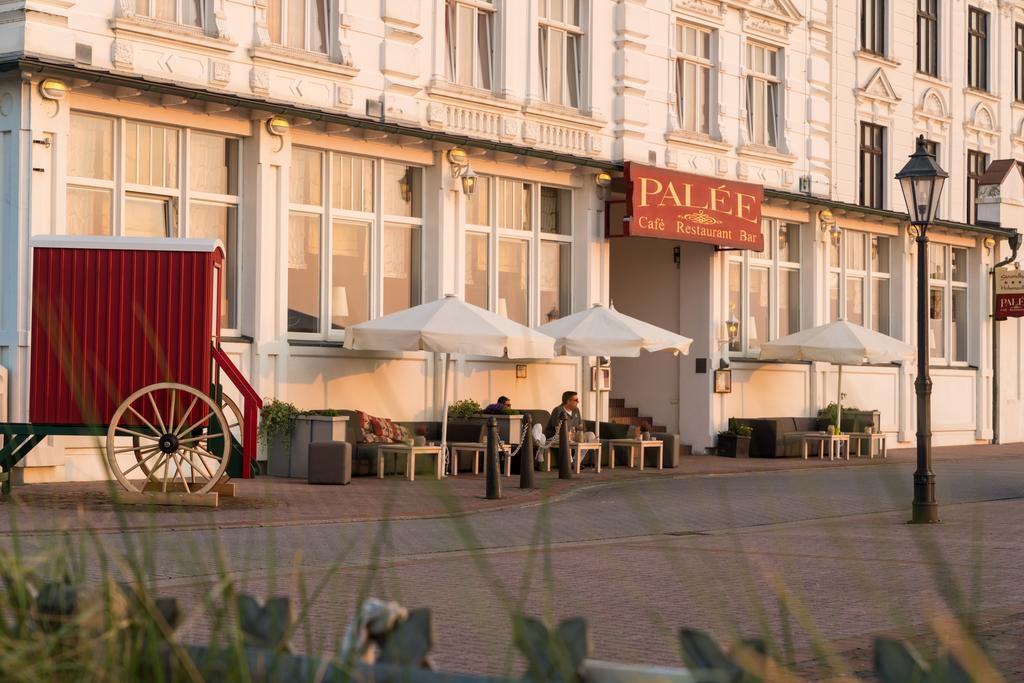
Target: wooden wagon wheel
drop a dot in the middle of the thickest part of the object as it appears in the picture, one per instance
(173, 447)
(235, 425)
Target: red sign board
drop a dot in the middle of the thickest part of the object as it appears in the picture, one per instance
(682, 206)
(1009, 293)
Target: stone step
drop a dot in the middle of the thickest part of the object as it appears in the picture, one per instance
(617, 411)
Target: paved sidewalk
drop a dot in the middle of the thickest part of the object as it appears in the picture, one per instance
(267, 501)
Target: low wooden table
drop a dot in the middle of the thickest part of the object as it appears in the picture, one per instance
(410, 453)
(477, 449)
(637, 447)
(835, 445)
(871, 437)
(577, 451)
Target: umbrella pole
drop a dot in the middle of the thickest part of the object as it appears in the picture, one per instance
(597, 406)
(444, 417)
(839, 402)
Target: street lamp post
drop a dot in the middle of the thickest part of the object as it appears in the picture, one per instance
(922, 180)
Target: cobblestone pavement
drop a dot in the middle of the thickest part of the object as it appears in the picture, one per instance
(813, 556)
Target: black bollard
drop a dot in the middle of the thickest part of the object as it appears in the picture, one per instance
(526, 455)
(493, 469)
(564, 462)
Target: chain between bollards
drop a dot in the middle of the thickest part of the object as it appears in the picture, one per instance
(493, 469)
(526, 455)
(564, 461)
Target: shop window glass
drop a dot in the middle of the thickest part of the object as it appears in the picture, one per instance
(958, 325)
(478, 204)
(91, 147)
(401, 267)
(758, 307)
(513, 279)
(303, 272)
(555, 211)
(151, 155)
(477, 287)
(352, 183)
(213, 164)
(880, 308)
(514, 206)
(306, 177)
(218, 221)
(88, 211)
(349, 298)
(735, 303)
(402, 190)
(554, 280)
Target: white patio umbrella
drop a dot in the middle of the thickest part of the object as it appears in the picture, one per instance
(841, 343)
(448, 326)
(601, 331)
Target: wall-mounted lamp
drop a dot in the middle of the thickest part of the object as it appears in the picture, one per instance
(829, 226)
(677, 255)
(468, 181)
(604, 182)
(835, 233)
(405, 185)
(732, 328)
(278, 125)
(990, 242)
(459, 160)
(53, 89)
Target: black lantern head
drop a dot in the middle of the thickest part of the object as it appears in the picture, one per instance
(922, 180)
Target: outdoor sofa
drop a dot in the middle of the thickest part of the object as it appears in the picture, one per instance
(364, 455)
(782, 437)
(613, 430)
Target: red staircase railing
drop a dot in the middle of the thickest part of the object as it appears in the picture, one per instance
(252, 403)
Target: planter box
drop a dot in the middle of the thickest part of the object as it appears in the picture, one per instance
(732, 446)
(510, 427)
(310, 428)
(289, 457)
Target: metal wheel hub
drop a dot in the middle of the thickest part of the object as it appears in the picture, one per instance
(169, 443)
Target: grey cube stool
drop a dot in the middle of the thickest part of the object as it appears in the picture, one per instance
(330, 462)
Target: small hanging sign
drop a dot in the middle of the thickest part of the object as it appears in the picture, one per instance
(1009, 293)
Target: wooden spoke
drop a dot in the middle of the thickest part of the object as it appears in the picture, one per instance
(132, 432)
(155, 452)
(195, 425)
(204, 437)
(156, 411)
(136, 448)
(178, 460)
(177, 430)
(156, 460)
(202, 459)
(144, 420)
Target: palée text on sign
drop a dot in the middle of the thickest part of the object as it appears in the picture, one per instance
(683, 206)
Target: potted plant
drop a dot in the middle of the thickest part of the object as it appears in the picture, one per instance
(277, 421)
(467, 407)
(735, 442)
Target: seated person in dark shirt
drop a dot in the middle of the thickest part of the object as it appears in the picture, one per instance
(569, 411)
(499, 406)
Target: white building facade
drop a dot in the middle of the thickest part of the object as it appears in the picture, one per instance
(313, 137)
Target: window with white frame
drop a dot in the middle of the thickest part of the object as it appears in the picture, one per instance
(125, 177)
(510, 235)
(469, 37)
(693, 77)
(561, 46)
(859, 279)
(187, 12)
(764, 85)
(947, 309)
(299, 24)
(764, 288)
(346, 215)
